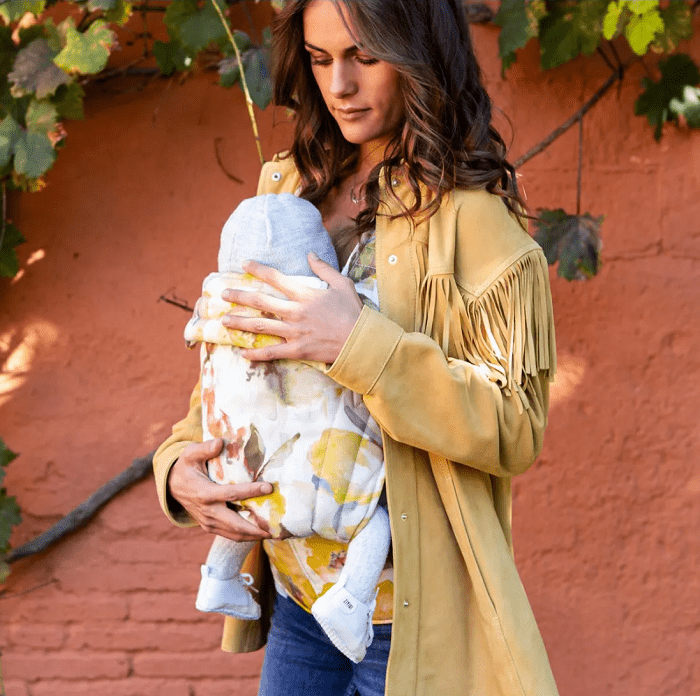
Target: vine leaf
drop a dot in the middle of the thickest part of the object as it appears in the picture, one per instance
(34, 154)
(571, 240)
(640, 20)
(678, 25)
(9, 510)
(34, 70)
(171, 56)
(42, 116)
(256, 63)
(569, 29)
(194, 27)
(68, 101)
(117, 11)
(677, 72)
(10, 133)
(85, 52)
(687, 108)
(519, 22)
(9, 265)
(13, 10)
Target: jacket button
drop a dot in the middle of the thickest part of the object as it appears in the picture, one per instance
(393, 259)
(276, 176)
(405, 602)
(404, 516)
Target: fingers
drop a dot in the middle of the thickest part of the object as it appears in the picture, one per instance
(256, 300)
(325, 271)
(275, 278)
(232, 526)
(257, 325)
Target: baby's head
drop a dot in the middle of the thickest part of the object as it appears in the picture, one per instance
(278, 230)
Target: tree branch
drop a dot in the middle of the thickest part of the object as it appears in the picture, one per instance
(557, 132)
(139, 469)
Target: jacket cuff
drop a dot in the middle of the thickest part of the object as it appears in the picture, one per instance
(172, 509)
(369, 347)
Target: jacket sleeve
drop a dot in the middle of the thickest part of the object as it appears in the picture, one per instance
(442, 405)
(185, 432)
(471, 382)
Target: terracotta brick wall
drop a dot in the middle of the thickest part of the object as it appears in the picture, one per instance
(95, 371)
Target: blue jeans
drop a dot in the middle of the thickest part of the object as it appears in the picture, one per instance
(300, 659)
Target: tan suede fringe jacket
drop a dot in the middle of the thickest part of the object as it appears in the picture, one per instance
(469, 284)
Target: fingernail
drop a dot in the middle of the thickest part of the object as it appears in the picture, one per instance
(313, 255)
(266, 488)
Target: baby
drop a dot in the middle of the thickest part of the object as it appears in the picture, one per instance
(287, 423)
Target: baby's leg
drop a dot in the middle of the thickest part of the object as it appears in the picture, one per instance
(223, 588)
(345, 610)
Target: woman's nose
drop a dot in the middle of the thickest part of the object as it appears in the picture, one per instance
(342, 80)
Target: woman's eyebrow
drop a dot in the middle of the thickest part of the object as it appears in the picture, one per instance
(348, 51)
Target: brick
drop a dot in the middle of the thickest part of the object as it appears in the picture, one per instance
(36, 666)
(132, 636)
(246, 686)
(37, 636)
(60, 607)
(166, 606)
(189, 665)
(142, 550)
(124, 577)
(133, 686)
(16, 688)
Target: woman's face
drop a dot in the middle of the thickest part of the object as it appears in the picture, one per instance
(361, 93)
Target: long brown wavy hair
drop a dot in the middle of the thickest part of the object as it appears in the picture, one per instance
(446, 140)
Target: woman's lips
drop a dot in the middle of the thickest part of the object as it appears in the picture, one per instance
(351, 114)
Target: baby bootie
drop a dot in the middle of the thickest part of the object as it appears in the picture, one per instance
(231, 597)
(346, 620)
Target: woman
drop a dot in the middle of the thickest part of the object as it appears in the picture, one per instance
(393, 143)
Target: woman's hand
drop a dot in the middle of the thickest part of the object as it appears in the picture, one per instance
(206, 501)
(313, 323)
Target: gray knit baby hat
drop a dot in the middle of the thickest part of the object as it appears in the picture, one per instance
(278, 230)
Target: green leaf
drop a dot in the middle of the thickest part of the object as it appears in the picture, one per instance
(68, 101)
(194, 27)
(572, 241)
(9, 265)
(9, 517)
(34, 155)
(35, 71)
(42, 116)
(13, 10)
(643, 26)
(257, 72)
(519, 22)
(6, 454)
(101, 5)
(677, 72)
(677, 19)
(569, 29)
(86, 53)
(10, 134)
(688, 107)
(256, 64)
(171, 57)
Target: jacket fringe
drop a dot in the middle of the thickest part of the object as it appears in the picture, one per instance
(507, 329)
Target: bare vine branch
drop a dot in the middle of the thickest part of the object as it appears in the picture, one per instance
(219, 161)
(558, 132)
(139, 469)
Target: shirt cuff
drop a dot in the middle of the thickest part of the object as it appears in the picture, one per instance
(365, 354)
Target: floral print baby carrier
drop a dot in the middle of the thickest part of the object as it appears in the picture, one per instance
(284, 422)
